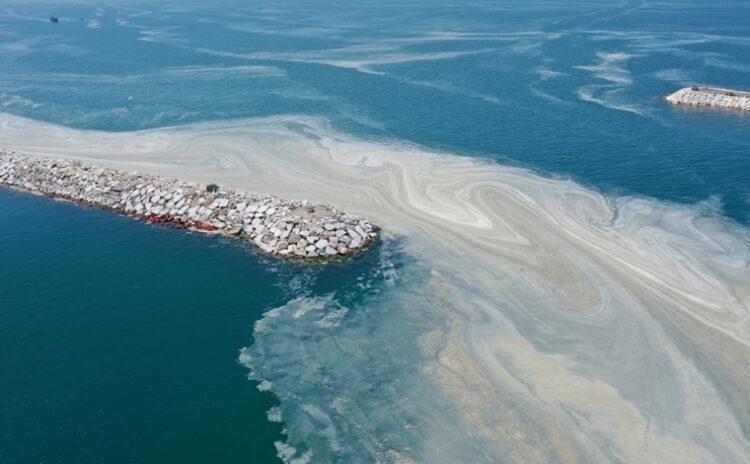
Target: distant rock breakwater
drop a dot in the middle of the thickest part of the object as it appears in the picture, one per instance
(295, 229)
(711, 96)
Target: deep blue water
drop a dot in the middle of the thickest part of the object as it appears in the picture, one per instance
(100, 332)
(107, 354)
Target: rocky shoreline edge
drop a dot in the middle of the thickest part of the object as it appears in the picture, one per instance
(711, 96)
(297, 229)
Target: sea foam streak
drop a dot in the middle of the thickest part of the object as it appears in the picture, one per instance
(556, 324)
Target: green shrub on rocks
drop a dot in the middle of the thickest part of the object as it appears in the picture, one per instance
(212, 188)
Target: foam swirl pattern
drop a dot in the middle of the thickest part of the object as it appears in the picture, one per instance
(552, 323)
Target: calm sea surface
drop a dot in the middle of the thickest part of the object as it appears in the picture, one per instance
(119, 341)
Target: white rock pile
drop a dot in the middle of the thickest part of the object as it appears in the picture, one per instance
(294, 229)
(710, 96)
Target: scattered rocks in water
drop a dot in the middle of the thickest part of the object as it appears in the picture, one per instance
(296, 229)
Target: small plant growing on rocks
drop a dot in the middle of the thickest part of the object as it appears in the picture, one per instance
(212, 188)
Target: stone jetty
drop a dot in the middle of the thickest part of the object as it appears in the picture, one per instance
(296, 229)
(711, 96)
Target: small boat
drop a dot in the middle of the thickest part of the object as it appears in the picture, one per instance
(53, 19)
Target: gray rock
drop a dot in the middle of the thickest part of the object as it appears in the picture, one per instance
(266, 220)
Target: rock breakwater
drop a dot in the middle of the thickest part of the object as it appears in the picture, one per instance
(294, 229)
(711, 96)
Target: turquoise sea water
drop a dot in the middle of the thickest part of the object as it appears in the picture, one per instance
(120, 341)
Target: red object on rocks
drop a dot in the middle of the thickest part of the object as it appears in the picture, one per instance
(159, 218)
(169, 219)
(202, 226)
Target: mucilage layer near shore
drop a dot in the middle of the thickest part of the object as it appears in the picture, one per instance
(535, 320)
(297, 229)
